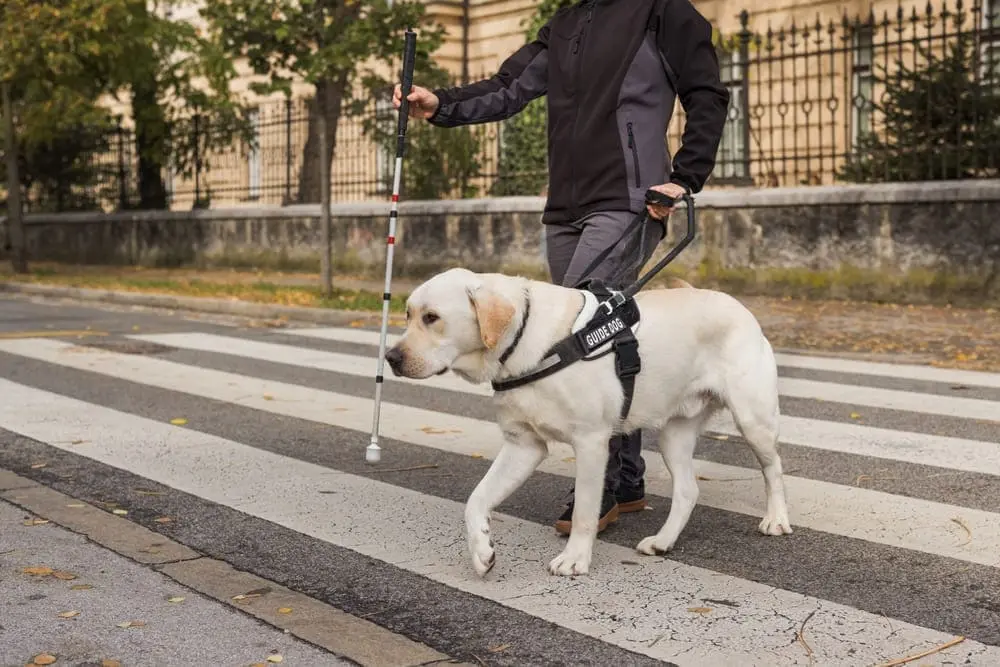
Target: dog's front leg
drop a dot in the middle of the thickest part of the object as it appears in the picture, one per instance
(591, 461)
(517, 459)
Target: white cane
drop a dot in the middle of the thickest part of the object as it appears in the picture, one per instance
(374, 453)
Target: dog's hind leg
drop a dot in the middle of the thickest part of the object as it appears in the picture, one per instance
(520, 455)
(678, 439)
(591, 451)
(754, 406)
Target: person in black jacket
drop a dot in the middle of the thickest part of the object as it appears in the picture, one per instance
(612, 71)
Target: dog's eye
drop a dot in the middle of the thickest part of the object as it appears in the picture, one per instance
(430, 318)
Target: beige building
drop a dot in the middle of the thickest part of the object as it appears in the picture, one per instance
(801, 74)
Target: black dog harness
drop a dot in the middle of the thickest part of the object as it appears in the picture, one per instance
(613, 321)
(616, 314)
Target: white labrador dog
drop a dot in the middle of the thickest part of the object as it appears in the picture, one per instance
(701, 350)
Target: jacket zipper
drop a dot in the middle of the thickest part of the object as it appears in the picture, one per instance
(635, 153)
(576, 118)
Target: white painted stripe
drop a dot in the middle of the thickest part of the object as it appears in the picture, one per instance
(423, 534)
(932, 450)
(873, 397)
(864, 514)
(301, 357)
(900, 371)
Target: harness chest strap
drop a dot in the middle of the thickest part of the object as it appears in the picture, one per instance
(614, 325)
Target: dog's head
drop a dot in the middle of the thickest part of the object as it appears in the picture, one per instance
(454, 321)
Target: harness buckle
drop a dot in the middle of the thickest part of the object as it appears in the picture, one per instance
(627, 360)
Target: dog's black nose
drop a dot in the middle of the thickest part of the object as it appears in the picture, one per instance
(394, 357)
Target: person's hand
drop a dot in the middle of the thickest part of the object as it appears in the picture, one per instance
(672, 190)
(423, 103)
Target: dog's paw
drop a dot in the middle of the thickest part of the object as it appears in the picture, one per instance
(775, 523)
(483, 553)
(654, 545)
(570, 563)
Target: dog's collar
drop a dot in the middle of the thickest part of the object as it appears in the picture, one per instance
(520, 331)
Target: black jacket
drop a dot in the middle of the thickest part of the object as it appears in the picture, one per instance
(611, 70)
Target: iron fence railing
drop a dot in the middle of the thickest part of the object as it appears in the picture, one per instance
(831, 100)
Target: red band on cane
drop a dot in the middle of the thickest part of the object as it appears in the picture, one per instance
(390, 240)
(395, 198)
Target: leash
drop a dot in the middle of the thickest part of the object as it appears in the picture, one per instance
(373, 453)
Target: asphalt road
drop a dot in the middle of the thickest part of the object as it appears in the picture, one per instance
(251, 441)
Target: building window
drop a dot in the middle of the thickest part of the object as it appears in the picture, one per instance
(732, 161)
(385, 118)
(862, 84)
(253, 155)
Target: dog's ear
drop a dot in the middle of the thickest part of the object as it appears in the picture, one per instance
(493, 313)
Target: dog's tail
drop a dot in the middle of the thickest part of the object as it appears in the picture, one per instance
(674, 283)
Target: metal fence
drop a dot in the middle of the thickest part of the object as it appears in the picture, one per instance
(811, 104)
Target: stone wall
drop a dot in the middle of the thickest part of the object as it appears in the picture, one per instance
(946, 231)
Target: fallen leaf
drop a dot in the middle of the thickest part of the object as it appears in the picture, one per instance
(132, 624)
(258, 664)
(274, 658)
(80, 587)
(175, 599)
(284, 610)
(38, 571)
(35, 522)
(699, 610)
(430, 430)
(855, 415)
(498, 649)
(78, 442)
(146, 492)
(717, 436)
(135, 328)
(163, 519)
(475, 456)
(110, 663)
(249, 595)
(76, 505)
(69, 614)
(179, 421)
(268, 397)
(43, 659)
(65, 576)
(119, 512)
(36, 466)
(569, 459)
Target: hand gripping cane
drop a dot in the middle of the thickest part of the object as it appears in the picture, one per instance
(373, 453)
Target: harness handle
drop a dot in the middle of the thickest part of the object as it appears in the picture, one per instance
(634, 288)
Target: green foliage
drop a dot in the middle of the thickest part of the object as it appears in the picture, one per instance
(940, 122)
(523, 165)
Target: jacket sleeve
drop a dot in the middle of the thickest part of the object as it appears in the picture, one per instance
(521, 78)
(685, 39)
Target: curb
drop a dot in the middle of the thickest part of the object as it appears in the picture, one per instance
(199, 304)
(361, 641)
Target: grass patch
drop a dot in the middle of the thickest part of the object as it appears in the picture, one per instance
(259, 291)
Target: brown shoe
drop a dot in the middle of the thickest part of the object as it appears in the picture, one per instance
(609, 515)
(632, 500)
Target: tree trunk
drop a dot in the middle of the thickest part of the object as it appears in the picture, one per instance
(150, 142)
(332, 94)
(15, 219)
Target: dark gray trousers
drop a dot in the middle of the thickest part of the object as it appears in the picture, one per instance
(570, 248)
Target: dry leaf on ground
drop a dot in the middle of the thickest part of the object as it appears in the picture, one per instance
(76, 505)
(65, 576)
(163, 519)
(284, 610)
(498, 649)
(274, 658)
(176, 598)
(699, 610)
(43, 659)
(69, 614)
(132, 624)
(35, 522)
(110, 663)
(855, 415)
(179, 421)
(119, 512)
(40, 571)
(80, 587)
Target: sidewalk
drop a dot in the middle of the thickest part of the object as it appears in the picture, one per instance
(68, 599)
(943, 336)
